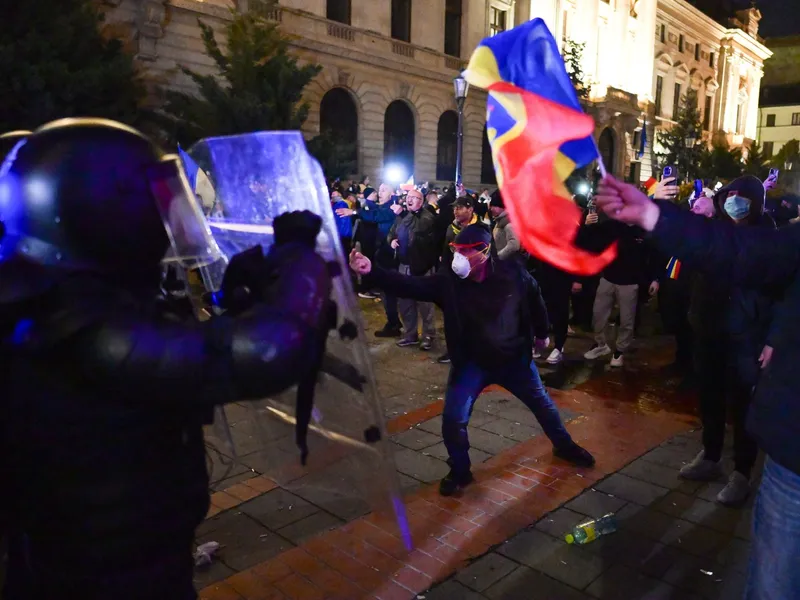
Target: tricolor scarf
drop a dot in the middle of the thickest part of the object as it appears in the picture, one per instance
(673, 268)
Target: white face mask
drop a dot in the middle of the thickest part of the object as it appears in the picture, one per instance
(461, 266)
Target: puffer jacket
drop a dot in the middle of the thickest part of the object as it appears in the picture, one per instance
(505, 239)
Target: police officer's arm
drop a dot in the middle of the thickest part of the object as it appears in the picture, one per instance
(258, 354)
(537, 307)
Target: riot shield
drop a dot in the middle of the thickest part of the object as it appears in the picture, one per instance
(350, 469)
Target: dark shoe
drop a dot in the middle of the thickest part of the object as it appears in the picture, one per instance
(574, 454)
(453, 483)
(407, 343)
(389, 331)
(426, 344)
(444, 359)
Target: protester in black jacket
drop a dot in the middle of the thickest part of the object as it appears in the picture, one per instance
(493, 315)
(413, 239)
(732, 324)
(751, 257)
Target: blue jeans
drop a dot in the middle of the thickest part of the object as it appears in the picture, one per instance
(465, 384)
(774, 572)
(390, 306)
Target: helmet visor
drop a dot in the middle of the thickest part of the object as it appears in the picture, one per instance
(191, 242)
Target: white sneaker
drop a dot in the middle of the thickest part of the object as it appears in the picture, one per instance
(617, 360)
(701, 469)
(597, 352)
(556, 356)
(736, 492)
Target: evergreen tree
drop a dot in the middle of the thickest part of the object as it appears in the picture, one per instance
(258, 87)
(756, 162)
(721, 162)
(573, 57)
(673, 141)
(333, 155)
(55, 62)
(789, 152)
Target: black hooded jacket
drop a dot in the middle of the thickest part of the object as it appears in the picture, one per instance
(491, 322)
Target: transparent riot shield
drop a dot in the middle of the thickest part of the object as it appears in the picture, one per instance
(349, 470)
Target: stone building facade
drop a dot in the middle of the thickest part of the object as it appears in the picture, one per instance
(388, 67)
(723, 64)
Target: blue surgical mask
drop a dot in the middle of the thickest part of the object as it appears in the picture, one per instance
(737, 207)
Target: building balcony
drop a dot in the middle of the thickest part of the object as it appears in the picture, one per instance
(311, 30)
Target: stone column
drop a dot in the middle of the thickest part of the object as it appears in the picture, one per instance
(751, 125)
(152, 14)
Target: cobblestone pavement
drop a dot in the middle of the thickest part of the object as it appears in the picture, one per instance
(502, 537)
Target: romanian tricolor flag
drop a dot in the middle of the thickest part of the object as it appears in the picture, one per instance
(650, 186)
(673, 268)
(539, 136)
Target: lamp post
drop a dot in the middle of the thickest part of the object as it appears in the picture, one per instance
(690, 141)
(461, 88)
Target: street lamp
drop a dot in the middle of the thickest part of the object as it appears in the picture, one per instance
(788, 165)
(461, 88)
(690, 140)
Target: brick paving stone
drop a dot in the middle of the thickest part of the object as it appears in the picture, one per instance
(573, 565)
(660, 475)
(512, 430)
(478, 419)
(736, 555)
(632, 490)
(530, 547)
(623, 583)
(706, 578)
(673, 457)
(636, 551)
(336, 490)
(416, 439)
(452, 590)
(216, 571)
(489, 442)
(595, 503)
(702, 512)
(675, 532)
(525, 584)
(744, 529)
(277, 508)
(439, 451)
(485, 572)
(244, 541)
(310, 526)
(559, 522)
(423, 468)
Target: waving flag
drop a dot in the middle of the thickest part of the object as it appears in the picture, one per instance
(539, 136)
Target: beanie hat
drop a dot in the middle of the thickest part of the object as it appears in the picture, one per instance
(368, 191)
(497, 199)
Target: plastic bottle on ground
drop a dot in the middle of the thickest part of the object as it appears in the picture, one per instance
(589, 531)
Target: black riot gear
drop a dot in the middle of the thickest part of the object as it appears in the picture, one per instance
(106, 390)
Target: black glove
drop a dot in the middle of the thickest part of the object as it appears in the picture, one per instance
(301, 227)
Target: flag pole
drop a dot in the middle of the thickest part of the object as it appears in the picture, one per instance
(602, 167)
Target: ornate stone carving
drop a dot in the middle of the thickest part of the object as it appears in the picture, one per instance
(403, 89)
(344, 77)
(151, 18)
(634, 3)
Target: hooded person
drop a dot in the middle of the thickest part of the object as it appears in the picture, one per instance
(104, 390)
(493, 316)
(731, 324)
(505, 239)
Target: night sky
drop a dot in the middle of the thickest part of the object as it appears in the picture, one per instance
(780, 17)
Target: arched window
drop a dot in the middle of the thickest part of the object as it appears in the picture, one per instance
(487, 165)
(338, 120)
(607, 147)
(447, 146)
(398, 136)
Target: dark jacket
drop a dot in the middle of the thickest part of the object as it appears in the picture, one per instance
(635, 263)
(508, 295)
(375, 223)
(416, 234)
(103, 402)
(760, 258)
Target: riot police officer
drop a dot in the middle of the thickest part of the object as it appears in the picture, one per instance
(103, 394)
